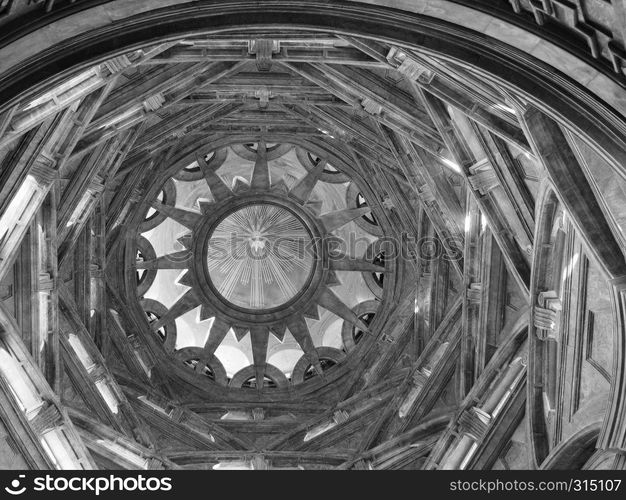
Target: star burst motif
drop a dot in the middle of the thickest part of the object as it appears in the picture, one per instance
(260, 256)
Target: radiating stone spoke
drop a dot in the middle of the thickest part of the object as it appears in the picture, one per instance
(261, 171)
(329, 300)
(300, 331)
(335, 220)
(176, 260)
(219, 189)
(303, 189)
(259, 336)
(219, 330)
(188, 302)
(346, 263)
(184, 217)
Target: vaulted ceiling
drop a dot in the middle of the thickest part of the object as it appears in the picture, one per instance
(278, 246)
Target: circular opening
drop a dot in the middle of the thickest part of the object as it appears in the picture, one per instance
(260, 256)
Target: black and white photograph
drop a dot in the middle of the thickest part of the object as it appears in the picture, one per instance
(295, 235)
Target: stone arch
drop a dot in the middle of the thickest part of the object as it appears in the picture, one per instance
(273, 373)
(575, 451)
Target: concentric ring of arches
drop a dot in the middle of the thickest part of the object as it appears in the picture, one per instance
(201, 362)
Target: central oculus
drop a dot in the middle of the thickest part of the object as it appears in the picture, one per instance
(260, 256)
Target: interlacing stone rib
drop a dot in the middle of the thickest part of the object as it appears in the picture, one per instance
(329, 300)
(335, 220)
(259, 336)
(176, 260)
(219, 189)
(261, 171)
(344, 262)
(303, 189)
(188, 302)
(184, 217)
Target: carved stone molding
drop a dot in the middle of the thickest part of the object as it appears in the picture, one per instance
(545, 322)
(341, 416)
(409, 67)
(46, 283)
(569, 15)
(362, 465)
(264, 49)
(419, 378)
(263, 95)
(117, 64)
(154, 102)
(258, 414)
(155, 464)
(426, 194)
(546, 315)
(260, 463)
(483, 177)
(474, 293)
(47, 418)
(371, 107)
(474, 422)
(43, 170)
